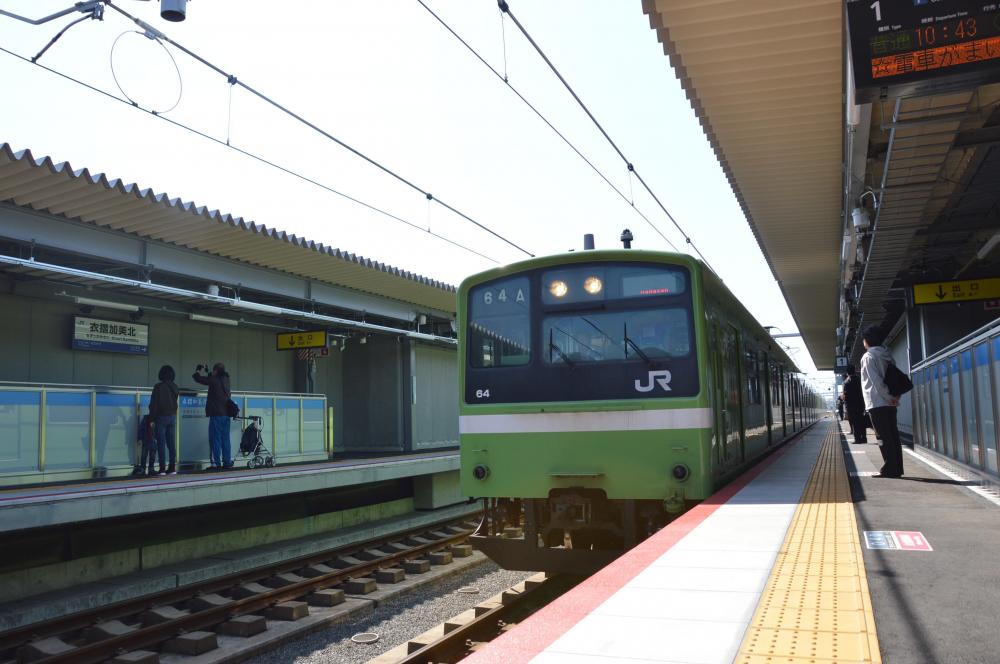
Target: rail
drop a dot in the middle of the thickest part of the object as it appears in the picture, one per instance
(406, 546)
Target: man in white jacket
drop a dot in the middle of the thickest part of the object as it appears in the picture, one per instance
(879, 403)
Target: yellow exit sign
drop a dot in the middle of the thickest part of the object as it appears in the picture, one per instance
(956, 291)
(295, 340)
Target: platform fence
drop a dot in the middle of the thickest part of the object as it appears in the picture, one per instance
(955, 400)
(52, 432)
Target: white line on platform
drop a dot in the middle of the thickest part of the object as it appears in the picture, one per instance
(978, 490)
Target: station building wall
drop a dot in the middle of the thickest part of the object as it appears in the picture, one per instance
(899, 348)
(386, 395)
(35, 347)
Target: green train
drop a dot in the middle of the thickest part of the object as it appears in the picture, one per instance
(603, 393)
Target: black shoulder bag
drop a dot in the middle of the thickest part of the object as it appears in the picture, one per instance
(897, 381)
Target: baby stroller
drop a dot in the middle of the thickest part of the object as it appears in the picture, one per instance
(252, 444)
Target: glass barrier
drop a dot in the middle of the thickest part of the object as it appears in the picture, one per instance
(83, 431)
(20, 431)
(957, 400)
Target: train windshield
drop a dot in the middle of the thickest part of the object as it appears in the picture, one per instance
(602, 336)
(582, 332)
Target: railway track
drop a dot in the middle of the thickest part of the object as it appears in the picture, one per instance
(456, 638)
(189, 620)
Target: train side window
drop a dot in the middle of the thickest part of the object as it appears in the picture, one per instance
(500, 324)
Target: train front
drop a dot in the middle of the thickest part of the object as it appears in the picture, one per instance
(583, 422)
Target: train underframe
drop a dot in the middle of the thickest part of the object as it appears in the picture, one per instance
(573, 531)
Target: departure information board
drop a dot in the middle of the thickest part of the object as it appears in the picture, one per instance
(918, 47)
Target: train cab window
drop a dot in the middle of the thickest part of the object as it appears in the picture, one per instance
(500, 324)
(606, 336)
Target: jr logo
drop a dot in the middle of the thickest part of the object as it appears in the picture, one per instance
(661, 378)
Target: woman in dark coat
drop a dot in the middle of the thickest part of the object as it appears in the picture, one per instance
(854, 401)
(163, 410)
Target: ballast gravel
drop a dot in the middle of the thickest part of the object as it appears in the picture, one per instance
(398, 620)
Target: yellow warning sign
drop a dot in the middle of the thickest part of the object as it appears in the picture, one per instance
(294, 340)
(956, 291)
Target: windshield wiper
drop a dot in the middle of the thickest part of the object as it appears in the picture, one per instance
(638, 351)
(553, 346)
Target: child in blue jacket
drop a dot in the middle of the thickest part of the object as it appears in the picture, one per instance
(147, 436)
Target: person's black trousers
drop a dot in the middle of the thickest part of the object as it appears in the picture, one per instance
(858, 429)
(884, 421)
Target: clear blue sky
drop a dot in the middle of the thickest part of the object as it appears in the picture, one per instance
(383, 76)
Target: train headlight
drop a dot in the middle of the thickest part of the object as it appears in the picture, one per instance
(480, 472)
(558, 288)
(593, 285)
(681, 472)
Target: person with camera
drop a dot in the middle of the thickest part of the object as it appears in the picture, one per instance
(217, 410)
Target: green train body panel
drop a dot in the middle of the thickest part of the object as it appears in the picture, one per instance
(625, 465)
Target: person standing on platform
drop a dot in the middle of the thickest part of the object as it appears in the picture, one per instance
(879, 403)
(216, 408)
(854, 402)
(840, 407)
(146, 436)
(163, 410)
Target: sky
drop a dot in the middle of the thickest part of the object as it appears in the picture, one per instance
(384, 77)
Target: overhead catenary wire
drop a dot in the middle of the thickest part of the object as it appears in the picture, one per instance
(316, 128)
(503, 77)
(249, 154)
(505, 8)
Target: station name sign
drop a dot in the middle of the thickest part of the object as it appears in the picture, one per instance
(110, 335)
(917, 47)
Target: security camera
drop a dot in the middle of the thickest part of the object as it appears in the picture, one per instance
(173, 10)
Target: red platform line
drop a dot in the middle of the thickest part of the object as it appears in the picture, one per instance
(542, 629)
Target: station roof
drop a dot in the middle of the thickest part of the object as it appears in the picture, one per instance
(765, 80)
(42, 184)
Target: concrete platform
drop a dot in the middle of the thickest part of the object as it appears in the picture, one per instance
(23, 508)
(806, 559)
(686, 594)
(939, 605)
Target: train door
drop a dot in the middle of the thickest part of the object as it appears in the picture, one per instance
(718, 397)
(767, 394)
(793, 401)
(783, 398)
(733, 413)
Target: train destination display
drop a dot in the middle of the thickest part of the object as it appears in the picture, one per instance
(918, 47)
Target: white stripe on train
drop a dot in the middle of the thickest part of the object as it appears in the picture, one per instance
(616, 420)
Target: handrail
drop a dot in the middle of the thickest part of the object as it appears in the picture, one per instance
(186, 391)
(968, 340)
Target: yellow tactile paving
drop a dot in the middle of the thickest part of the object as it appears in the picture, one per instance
(816, 606)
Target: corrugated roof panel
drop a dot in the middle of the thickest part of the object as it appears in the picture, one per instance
(44, 185)
(765, 80)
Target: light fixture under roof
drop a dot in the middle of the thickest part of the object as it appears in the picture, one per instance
(120, 306)
(201, 318)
